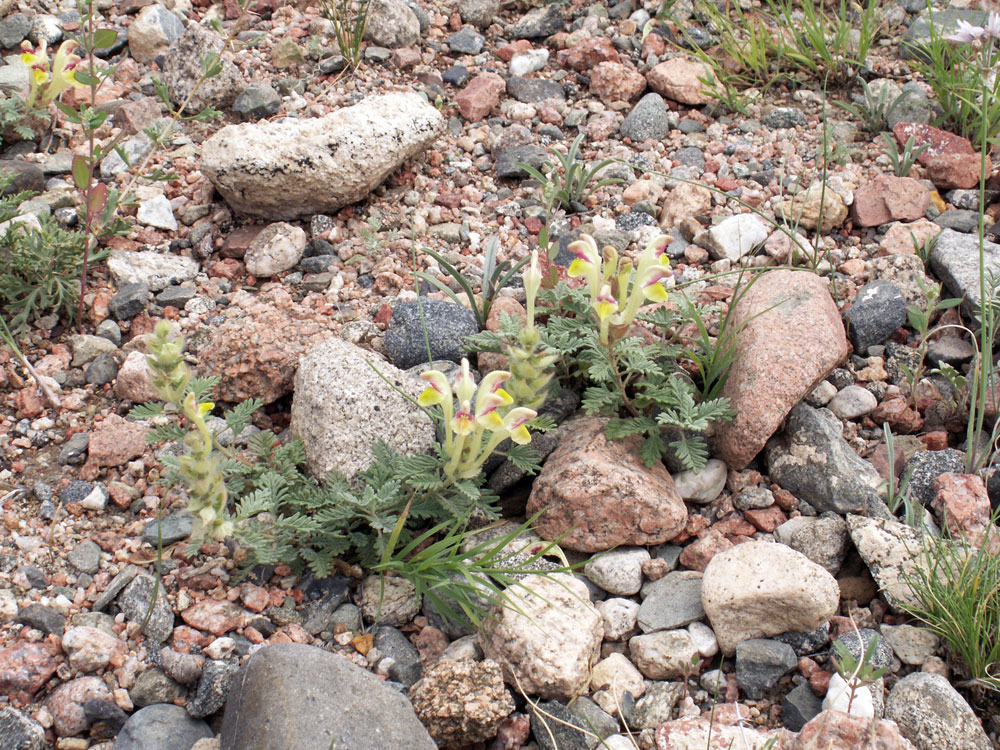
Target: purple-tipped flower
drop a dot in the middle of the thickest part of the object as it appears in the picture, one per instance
(966, 33)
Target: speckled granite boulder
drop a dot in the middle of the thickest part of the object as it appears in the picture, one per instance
(342, 407)
(302, 166)
(595, 494)
(791, 339)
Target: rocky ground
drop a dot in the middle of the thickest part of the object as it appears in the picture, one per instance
(288, 235)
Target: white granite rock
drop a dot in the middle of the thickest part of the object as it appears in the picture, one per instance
(548, 638)
(619, 571)
(703, 486)
(301, 166)
(760, 589)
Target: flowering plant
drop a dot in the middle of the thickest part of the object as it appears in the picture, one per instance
(199, 466)
(49, 80)
(466, 426)
(617, 291)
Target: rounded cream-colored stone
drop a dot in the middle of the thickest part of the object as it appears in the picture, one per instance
(760, 589)
(663, 655)
(618, 675)
(547, 636)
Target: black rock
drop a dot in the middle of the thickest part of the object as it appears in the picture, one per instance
(333, 64)
(633, 220)
(175, 296)
(257, 102)
(878, 310)
(533, 90)
(42, 618)
(599, 721)
(135, 602)
(760, 663)
(153, 686)
(556, 727)
(447, 326)
(162, 726)
(806, 643)
(784, 117)
(318, 263)
(27, 176)
(456, 75)
(841, 378)
(174, 528)
(324, 596)
(812, 460)
(648, 120)
(529, 154)
(13, 29)
(466, 41)
(407, 666)
(36, 578)
(924, 466)
(18, 731)
(105, 718)
(129, 301)
(538, 23)
(688, 126)
(881, 659)
(102, 370)
(960, 220)
(295, 696)
(621, 11)
(213, 688)
(74, 450)
(799, 707)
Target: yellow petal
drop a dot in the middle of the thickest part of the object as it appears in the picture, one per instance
(430, 397)
(521, 436)
(655, 292)
(491, 421)
(579, 268)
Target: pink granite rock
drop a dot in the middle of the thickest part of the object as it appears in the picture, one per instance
(900, 237)
(115, 441)
(951, 161)
(24, 668)
(132, 383)
(614, 81)
(256, 354)
(588, 53)
(600, 494)
(837, 729)
(961, 502)
(66, 703)
(479, 98)
(680, 79)
(215, 617)
(792, 338)
(888, 198)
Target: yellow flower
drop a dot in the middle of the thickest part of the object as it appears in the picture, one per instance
(514, 424)
(605, 305)
(47, 83)
(587, 262)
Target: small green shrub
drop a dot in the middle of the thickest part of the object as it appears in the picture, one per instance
(575, 183)
(957, 591)
(350, 20)
(902, 162)
(875, 109)
(964, 85)
(39, 270)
